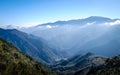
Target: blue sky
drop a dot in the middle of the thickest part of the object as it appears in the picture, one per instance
(31, 12)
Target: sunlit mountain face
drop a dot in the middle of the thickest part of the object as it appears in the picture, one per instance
(99, 35)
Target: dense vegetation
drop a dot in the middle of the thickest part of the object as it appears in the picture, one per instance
(111, 67)
(89, 64)
(13, 62)
(79, 64)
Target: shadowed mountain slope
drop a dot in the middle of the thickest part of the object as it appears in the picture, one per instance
(30, 45)
(14, 62)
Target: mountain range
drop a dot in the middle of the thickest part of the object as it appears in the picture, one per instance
(13, 61)
(88, 46)
(99, 35)
(30, 45)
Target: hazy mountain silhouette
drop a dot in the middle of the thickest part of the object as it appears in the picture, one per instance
(95, 34)
(30, 45)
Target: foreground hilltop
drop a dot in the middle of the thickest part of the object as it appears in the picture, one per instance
(111, 67)
(14, 62)
(89, 64)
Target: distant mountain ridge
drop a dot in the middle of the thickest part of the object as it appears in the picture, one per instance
(88, 45)
(93, 34)
(80, 21)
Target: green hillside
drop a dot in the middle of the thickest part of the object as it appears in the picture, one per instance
(111, 67)
(13, 62)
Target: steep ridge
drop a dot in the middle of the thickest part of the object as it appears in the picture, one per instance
(89, 64)
(111, 67)
(14, 62)
(79, 63)
(30, 45)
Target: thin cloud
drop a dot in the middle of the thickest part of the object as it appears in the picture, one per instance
(117, 22)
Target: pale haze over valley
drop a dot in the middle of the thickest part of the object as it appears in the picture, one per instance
(60, 37)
